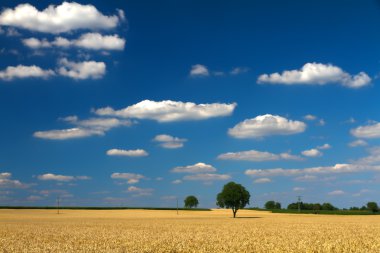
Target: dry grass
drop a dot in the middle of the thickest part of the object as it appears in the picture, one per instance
(164, 231)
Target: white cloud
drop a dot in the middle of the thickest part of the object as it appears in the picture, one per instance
(82, 70)
(130, 177)
(130, 153)
(298, 189)
(100, 124)
(239, 70)
(168, 141)
(196, 168)
(369, 131)
(312, 153)
(257, 156)
(266, 125)
(62, 178)
(324, 146)
(310, 117)
(316, 74)
(138, 192)
(64, 134)
(335, 193)
(207, 177)
(358, 143)
(66, 17)
(21, 71)
(177, 181)
(167, 111)
(198, 70)
(7, 182)
(372, 158)
(262, 180)
(322, 170)
(92, 41)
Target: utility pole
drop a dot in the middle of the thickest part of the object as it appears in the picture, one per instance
(58, 199)
(299, 203)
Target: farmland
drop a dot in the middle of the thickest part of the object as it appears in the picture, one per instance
(203, 231)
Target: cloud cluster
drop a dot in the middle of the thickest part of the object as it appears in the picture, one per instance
(7, 182)
(82, 70)
(312, 172)
(168, 141)
(130, 153)
(312, 152)
(139, 192)
(358, 143)
(199, 70)
(131, 178)
(196, 168)
(199, 172)
(316, 74)
(21, 72)
(257, 156)
(266, 125)
(62, 178)
(168, 110)
(370, 131)
(84, 128)
(91, 41)
(66, 17)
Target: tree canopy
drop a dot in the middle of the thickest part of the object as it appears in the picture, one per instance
(191, 201)
(272, 205)
(233, 196)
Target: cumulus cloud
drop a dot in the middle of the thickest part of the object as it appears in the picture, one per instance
(266, 125)
(138, 192)
(310, 117)
(130, 153)
(82, 70)
(62, 178)
(167, 111)
(6, 181)
(91, 41)
(262, 180)
(358, 143)
(370, 131)
(372, 158)
(335, 193)
(257, 156)
(177, 181)
(196, 168)
(324, 146)
(207, 177)
(21, 72)
(199, 70)
(313, 171)
(312, 152)
(64, 134)
(239, 70)
(130, 177)
(65, 17)
(85, 128)
(316, 74)
(168, 141)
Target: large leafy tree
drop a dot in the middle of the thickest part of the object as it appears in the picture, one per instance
(233, 196)
(191, 201)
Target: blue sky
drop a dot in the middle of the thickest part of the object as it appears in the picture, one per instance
(139, 103)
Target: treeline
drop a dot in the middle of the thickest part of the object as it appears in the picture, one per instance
(272, 205)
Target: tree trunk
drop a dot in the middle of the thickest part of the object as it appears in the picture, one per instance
(234, 211)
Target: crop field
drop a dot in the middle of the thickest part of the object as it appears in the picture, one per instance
(189, 231)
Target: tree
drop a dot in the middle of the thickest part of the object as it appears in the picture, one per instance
(272, 205)
(372, 206)
(233, 196)
(191, 201)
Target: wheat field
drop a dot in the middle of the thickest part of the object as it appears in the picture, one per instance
(190, 231)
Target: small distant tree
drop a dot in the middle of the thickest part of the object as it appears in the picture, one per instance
(372, 206)
(191, 201)
(233, 196)
(272, 205)
(328, 206)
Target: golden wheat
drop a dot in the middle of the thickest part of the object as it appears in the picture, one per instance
(190, 231)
